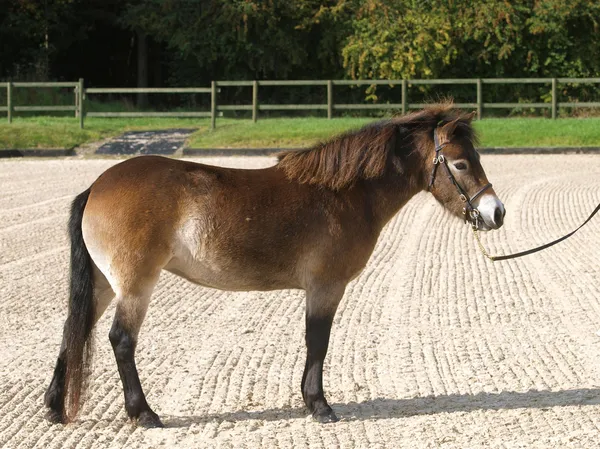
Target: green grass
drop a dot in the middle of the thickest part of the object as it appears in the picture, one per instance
(539, 132)
(511, 132)
(272, 133)
(64, 132)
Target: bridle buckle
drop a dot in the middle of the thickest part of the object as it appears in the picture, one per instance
(474, 213)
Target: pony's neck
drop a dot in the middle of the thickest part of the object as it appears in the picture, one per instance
(392, 191)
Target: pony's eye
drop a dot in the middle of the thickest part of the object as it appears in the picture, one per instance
(460, 166)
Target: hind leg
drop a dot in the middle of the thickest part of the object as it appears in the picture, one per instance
(321, 304)
(131, 310)
(55, 394)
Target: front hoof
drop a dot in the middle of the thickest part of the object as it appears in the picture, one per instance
(149, 420)
(325, 416)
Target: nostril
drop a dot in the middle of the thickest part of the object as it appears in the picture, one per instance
(499, 216)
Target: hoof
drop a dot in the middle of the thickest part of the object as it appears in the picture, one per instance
(325, 416)
(149, 420)
(54, 417)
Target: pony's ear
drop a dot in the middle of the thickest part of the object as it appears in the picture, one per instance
(470, 116)
(449, 128)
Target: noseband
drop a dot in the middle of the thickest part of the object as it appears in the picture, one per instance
(469, 211)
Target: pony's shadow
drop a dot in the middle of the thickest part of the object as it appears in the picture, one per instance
(396, 408)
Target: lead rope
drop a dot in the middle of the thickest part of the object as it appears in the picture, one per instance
(529, 251)
(481, 247)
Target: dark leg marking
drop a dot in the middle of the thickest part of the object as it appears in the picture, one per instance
(317, 341)
(123, 344)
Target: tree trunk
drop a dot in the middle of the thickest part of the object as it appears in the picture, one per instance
(142, 68)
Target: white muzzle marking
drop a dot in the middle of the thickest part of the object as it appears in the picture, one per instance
(491, 210)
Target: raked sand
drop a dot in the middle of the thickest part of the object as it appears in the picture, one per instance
(432, 346)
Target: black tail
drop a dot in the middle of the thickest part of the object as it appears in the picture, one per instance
(80, 320)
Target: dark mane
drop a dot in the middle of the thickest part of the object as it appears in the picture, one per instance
(367, 153)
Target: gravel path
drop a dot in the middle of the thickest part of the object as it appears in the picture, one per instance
(165, 142)
(433, 346)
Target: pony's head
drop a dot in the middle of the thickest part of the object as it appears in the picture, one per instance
(455, 175)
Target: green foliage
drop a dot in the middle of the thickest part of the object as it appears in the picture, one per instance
(31, 33)
(191, 42)
(483, 38)
(225, 39)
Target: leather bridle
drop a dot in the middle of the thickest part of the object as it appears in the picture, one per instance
(469, 211)
(472, 214)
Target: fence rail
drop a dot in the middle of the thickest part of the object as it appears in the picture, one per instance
(216, 109)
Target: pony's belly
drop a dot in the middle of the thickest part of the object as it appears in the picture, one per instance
(224, 278)
(203, 256)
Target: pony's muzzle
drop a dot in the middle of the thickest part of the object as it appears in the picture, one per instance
(492, 212)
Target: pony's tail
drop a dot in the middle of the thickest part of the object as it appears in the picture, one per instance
(80, 319)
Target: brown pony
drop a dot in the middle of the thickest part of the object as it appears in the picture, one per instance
(309, 222)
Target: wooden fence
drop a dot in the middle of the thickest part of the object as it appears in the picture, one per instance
(81, 93)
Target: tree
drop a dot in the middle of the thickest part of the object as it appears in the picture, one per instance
(232, 39)
(488, 38)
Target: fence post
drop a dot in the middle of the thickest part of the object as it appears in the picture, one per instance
(213, 105)
(479, 99)
(254, 101)
(81, 97)
(404, 96)
(554, 99)
(329, 99)
(76, 95)
(9, 101)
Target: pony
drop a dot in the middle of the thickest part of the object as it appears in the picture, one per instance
(309, 222)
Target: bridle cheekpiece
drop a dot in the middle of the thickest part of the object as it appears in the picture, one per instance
(469, 211)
